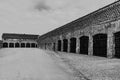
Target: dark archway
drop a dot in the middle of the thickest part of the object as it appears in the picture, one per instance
(27, 45)
(65, 45)
(45, 45)
(59, 45)
(17, 45)
(11, 45)
(73, 45)
(54, 46)
(22, 45)
(117, 44)
(84, 42)
(5, 45)
(100, 45)
(33, 45)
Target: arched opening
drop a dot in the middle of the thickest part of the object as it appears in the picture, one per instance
(11, 45)
(73, 45)
(100, 45)
(84, 41)
(5, 45)
(45, 45)
(54, 46)
(22, 45)
(59, 45)
(33, 45)
(65, 45)
(117, 44)
(27, 45)
(17, 45)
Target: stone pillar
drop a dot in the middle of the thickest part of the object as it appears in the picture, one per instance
(77, 45)
(56, 46)
(8, 45)
(110, 45)
(61, 45)
(90, 46)
(47, 46)
(19, 45)
(25, 45)
(53, 46)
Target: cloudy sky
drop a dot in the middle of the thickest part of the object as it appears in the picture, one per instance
(41, 16)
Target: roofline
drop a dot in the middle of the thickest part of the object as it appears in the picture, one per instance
(92, 13)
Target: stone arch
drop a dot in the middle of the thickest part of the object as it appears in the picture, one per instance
(17, 45)
(65, 45)
(73, 45)
(27, 45)
(22, 45)
(5, 45)
(84, 44)
(33, 45)
(59, 45)
(100, 45)
(11, 45)
(117, 44)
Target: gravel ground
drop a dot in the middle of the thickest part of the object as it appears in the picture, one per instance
(77, 75)
(87, 67)
(31, 64)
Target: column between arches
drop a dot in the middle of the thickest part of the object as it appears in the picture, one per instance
(90, 46)
(78, 45)
(110, 45)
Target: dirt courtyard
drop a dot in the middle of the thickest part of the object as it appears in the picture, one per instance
(91, 67)
(31, 64)
(37, 64)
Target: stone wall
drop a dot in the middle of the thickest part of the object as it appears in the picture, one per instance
(103, 21)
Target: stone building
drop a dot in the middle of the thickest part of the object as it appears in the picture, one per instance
(97, 33)
(11, 40)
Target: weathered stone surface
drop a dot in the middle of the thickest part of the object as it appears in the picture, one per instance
(103, 21)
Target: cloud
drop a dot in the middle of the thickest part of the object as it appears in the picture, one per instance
(41, 16)
(41, 5)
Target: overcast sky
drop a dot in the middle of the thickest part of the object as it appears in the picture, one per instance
(41, 16)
